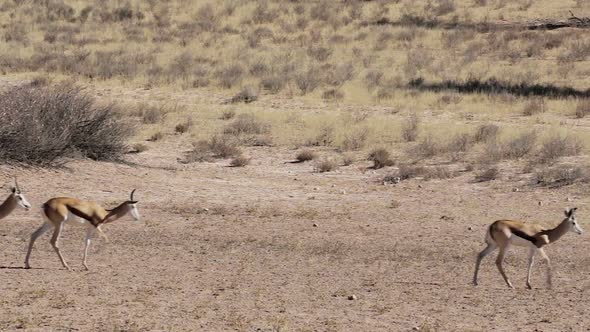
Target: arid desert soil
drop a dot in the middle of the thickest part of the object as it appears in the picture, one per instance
(275, 246)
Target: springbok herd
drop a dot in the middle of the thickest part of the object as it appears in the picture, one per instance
(60, 210)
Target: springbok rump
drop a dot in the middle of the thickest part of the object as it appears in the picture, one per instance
(504, 233)
(59, 210)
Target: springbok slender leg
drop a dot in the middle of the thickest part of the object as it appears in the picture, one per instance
(548, 261)
(44, 228)
(499, 262)
(89, 234)
(55, 243)
(488, 250)
(532, 253)
(101, 233)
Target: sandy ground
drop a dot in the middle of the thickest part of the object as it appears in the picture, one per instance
(222, 249)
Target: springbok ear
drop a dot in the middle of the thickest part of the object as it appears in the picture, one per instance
(133, 202)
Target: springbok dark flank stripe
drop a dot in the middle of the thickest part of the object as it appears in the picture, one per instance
(523, 235)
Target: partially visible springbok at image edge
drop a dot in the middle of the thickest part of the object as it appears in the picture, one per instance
(59, 210)
(503, 233)
(16, 198)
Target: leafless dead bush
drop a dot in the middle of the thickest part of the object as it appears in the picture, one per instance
(460, 143)
(557, 146)
(339, 74)
(184, 126)
(274, 82)
(43, 124)
(262, 14)
(228, 114)
(355, 139)
(230, 76)
(246, 124)
(521, 145)
(308, 80)
(319, 53)
(305, 155)
(380, 158)
(332, 95)
(582, 108)
(325, 137)
(486, 132)
(535, 106)
(206, 18)
(493, 152)
(156, 137)
(407, 171)
(246, 95)
(559, 176)
(325, 165)
(438, 172)
(489, 174)
(239, 161)
(373, 79)
(411, 128)
(151, 114)
(224, 146)
(428, 147)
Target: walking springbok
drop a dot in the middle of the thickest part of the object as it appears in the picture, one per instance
(59, 210)
(16, 198)
(503, 233)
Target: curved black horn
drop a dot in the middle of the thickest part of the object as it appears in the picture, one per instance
(131, 199)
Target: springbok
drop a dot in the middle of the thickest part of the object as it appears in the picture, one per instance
(503, 233)
(16, 198)
(60, 210)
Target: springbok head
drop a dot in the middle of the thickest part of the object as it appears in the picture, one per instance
(129, 206)
(571, 220)
(19, 196)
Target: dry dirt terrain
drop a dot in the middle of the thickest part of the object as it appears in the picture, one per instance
(275, 246)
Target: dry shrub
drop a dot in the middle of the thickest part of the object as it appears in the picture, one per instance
(239, 161)
(562, 175)
(40, 125)
(438, 172)
(355, 140)
(460, 143)
(246, 124)
(308, 80)
(407, 171)
(249, 130)
(348, 160)
(582, 108)
(156, 137)
(305, 155)
(319, 53)
(224, 146)
(493, 152)
(184, 126)
(138, 148)
(332, 95)
(489, 174)
(556, 147)
(230, 76)
(373, 79)
(340, 74)
(324, 138)
(274, 82)
(427, 148)
(151, 114)
(411, 128)
(534, 106)
(380, 158)
(206, 18)
(325, 165)
(486, 132)
(227, 114)
(246, 95)
(521, 145)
